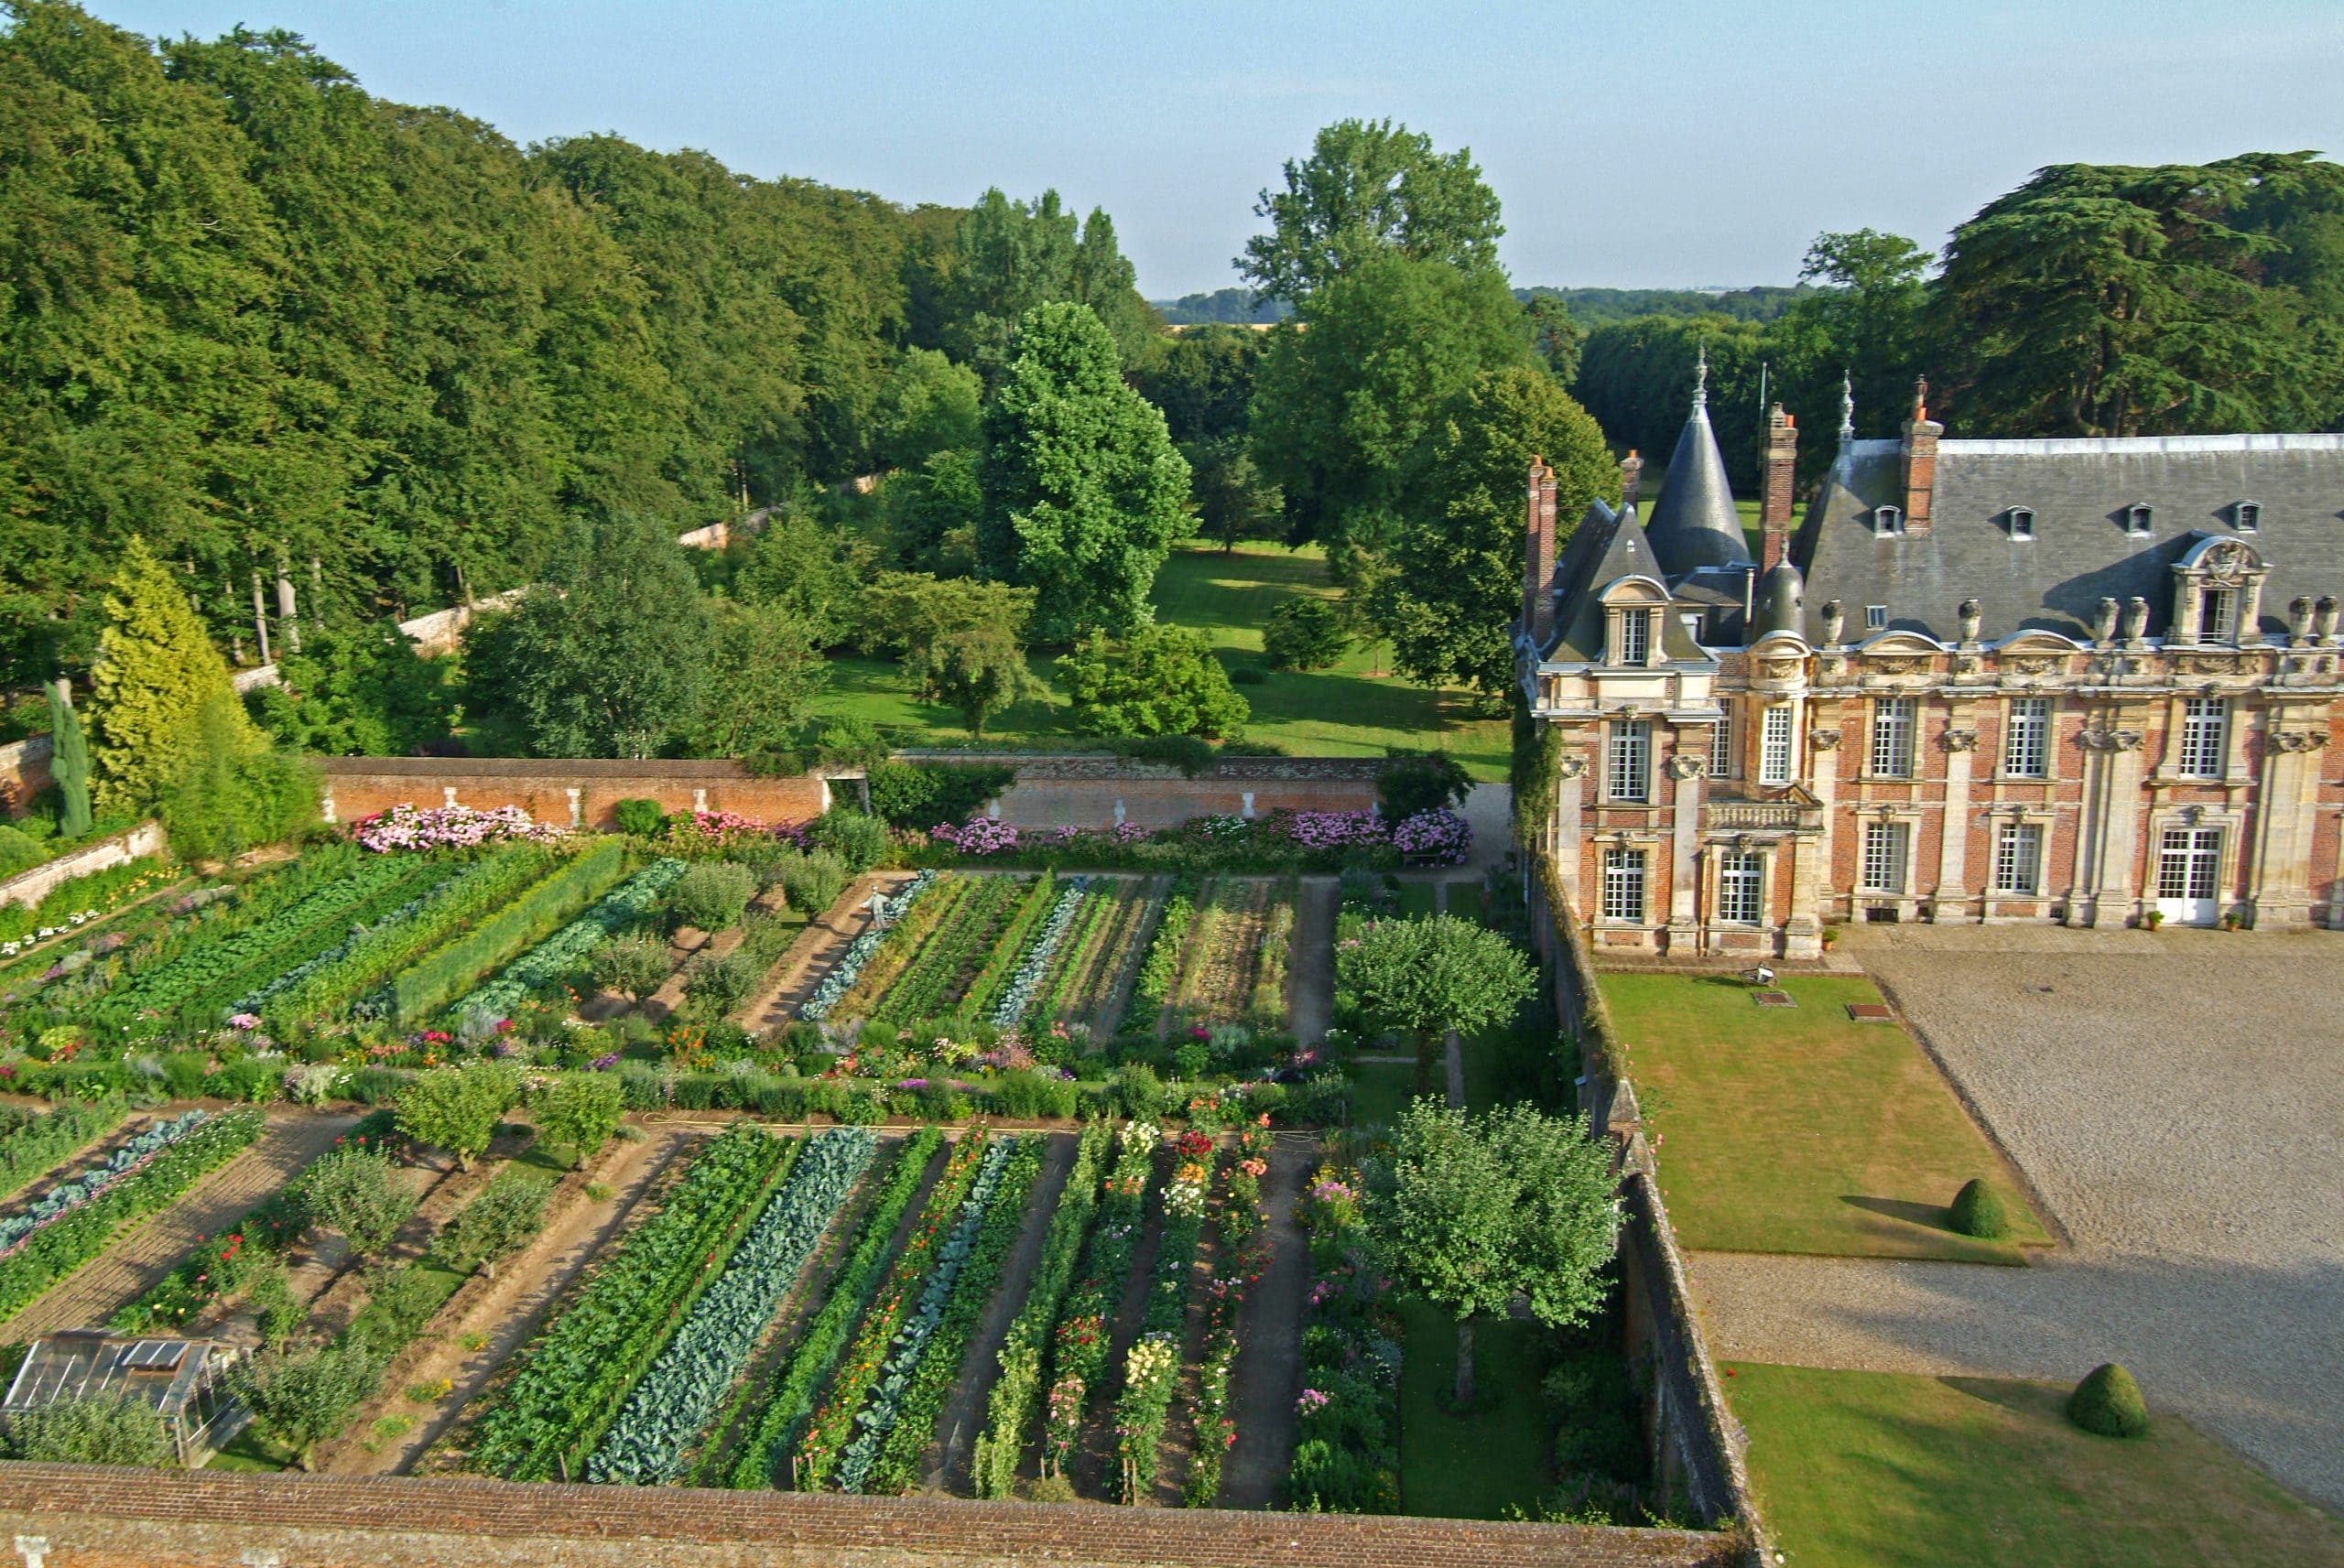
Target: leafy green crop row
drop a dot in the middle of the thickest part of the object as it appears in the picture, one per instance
(449, 971)
(567, 949)
(791, 1398)
(1016, 1396)
(827, 1429)
(896, 1469)
(57, 1249)
(977, 1002)
(566, 1392)
(42, 1143)
(1162, 966)
(686, 1383)
(919, 993)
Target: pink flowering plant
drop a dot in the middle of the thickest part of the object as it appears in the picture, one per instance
(406, 827)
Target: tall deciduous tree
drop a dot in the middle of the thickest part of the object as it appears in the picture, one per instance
(768, 675)
(1015, 255)
(611, 658)
(457, 1108)
(156, 677)
(1084, 493)
(1430, 976)
(1474, 1211)
(928, 405)
(1347, 390)
(1370, 187)
(1459, 549)
(1163, 681)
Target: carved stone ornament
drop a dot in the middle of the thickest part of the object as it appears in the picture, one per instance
(1570, 767)
(2099, 740)
(1958, 739)
(1898, 664)
(1824, 739)
(2036, 666)
(2206, 665)
(1781, 669)
(1686, 765)
(2300, 740)
(2224, 562)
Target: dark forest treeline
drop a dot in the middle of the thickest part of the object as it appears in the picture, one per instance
(256, 315)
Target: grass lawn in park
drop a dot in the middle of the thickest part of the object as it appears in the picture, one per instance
(1889, 1470)
(1797, 1129)
(1491, 1460)
(1358, 708)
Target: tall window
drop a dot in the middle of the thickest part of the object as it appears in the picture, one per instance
(1636, 636)
(2026, 739)
(1774, 745)
(1887, 853)
(1891, 737)
(1623, 884)
(1721, 747)
(2205, 735)
(1741, 879)
(2018, 859)
(1628, 775)
(2218, 615)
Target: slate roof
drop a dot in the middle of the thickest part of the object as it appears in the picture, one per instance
(2080, 490)
(1606, 547)
(1694, 523)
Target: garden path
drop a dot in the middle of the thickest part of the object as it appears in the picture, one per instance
(1268, 1376)
(526, 1286)
(1489, 812)
(131, 1266)
(817, 948)
(1311, 1006)
(963, 1416)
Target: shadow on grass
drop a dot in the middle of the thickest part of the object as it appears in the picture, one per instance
(1928, 1215)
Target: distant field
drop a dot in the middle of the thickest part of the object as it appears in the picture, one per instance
(1357, 708)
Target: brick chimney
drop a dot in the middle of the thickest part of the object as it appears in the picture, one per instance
(1919, 451)
(1631, 475)
(1538, 552)
(1777, 485)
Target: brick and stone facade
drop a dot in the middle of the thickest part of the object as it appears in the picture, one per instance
(2094, 681)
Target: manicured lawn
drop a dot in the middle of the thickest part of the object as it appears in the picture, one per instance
(1381, 1091)
(1494, 1459)
(1356, 709)
(1417, 900)
(248, 1450)
(1794, 1130)
(1885, 1470)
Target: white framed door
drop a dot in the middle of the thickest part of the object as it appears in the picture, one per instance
(2189, 868)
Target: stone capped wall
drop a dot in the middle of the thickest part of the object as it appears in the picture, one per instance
(94, 1517)
(1084, 789)
(565, 793)
(29, 887)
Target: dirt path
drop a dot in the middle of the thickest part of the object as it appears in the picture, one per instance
(1310, 1004)
(527, 1286)
(130, 1266)
(1268, 1376)
(818, 947)
(1452, 1048)
(964, 1414)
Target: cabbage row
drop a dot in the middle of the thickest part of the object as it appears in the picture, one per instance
(682, 1390)
(566, 950)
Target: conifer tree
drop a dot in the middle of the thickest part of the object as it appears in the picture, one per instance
(156, 671)
(69, 761)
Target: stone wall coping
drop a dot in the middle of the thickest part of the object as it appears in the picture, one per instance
(30, 886)
(1111, 765)
(908, 1528)
(550, 768)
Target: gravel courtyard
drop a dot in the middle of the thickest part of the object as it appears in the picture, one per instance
(2178, 1101)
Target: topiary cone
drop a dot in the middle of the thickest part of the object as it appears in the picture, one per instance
(2108, 1401)
(1978, 1211)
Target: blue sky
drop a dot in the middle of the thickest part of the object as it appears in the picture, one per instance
(1693, 144)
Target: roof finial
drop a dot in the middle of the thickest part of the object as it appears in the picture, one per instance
(1701, 378)
(1847, 408)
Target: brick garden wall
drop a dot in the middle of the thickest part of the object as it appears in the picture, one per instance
(29, 887)
(24, 772)
(1084, 789)
(93, 1517)
(360, 786)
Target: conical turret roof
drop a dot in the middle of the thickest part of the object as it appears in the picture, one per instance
(1695, 524)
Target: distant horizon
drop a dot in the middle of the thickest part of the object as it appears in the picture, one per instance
(1630, 151)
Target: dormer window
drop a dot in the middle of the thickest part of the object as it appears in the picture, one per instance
(2022, 523)
(2137, 518)
(1635, 637)
(1887, 522)
(2218, 615)
(1875, 618)
(2247, 516)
